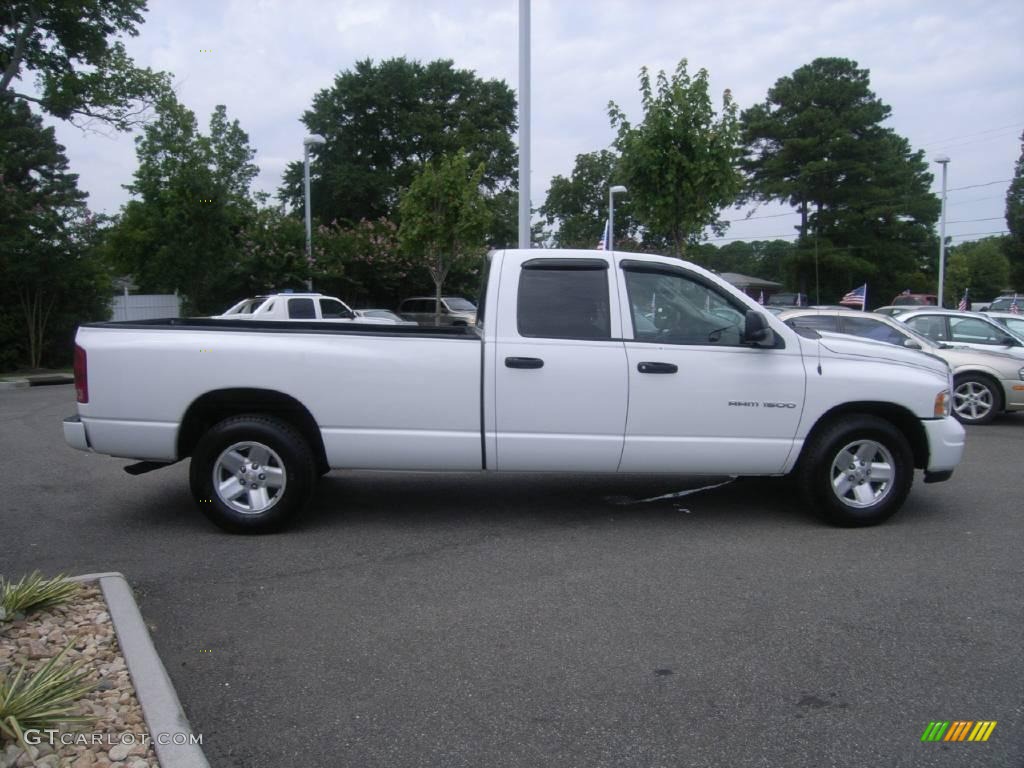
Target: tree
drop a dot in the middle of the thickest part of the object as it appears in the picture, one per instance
(578, 206)
(679, 162)
(192, 202)
(81, 69)
(1015, 221)
(384, 121)
(444, 217)
(50, 278)
(981, 266)
(866, 212)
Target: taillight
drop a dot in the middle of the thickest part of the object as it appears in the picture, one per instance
(81, 376)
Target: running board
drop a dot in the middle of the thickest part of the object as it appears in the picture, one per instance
(143, 467)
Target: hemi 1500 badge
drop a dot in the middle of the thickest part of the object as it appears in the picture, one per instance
(755, 404)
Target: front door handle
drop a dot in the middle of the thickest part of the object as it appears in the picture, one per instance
(523, 362)
(657, 367)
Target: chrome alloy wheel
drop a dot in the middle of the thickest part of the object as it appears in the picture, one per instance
(972, 401)
(862, 474)
(249, 477)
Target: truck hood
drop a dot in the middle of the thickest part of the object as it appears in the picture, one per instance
(841, 345)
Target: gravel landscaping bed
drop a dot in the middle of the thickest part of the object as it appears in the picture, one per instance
(117, 734)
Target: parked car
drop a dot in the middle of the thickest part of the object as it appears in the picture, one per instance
(423, 310)
(971, 329)
(383, 314)
(1004, 302)
(1013, 321)
(585, 361)
(298, 306)
(984, 382)
(915, 300)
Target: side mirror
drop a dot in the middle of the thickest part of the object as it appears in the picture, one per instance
(1009, 341)
(756, 330)
(911, 344)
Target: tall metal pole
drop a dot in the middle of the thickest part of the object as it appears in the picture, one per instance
(309, 221)
(944, 162)
(611, 218)
(524, 123)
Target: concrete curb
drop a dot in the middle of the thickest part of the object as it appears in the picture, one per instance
(159, 702)
(37, 380)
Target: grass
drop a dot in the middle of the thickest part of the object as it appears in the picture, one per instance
(33, 592)
(43, 699)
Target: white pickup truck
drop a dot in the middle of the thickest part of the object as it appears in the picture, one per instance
(580, 361)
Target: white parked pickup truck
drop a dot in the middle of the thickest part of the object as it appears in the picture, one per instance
(580, 361)
(298, 306)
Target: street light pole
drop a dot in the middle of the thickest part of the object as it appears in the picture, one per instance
(309, 141)
(524, 123)
(942, 160)
(612, 192)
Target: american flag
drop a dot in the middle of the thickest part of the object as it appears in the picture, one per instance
(602, 244)
(856, 298)
(1014, 306)
(964, 304)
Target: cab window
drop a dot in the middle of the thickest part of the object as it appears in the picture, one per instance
(301, 309)
(675, 308)
(333, 309)
(970, 330)
(559, 299)
(868, 328)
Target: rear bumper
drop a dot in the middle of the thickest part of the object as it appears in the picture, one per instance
(74, 433)
(945, 446)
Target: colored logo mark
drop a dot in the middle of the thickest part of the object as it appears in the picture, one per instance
(958, 730)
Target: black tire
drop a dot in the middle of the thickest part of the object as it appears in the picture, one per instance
(976, 399)
(282, 490)
(841, 492)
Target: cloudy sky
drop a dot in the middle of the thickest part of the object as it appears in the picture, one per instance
(952, 71)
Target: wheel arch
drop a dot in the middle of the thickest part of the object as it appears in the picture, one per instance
(897, 415)
(991, 376)
(217, 405)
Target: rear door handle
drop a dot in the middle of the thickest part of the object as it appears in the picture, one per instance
(657, 367)
(523, 362)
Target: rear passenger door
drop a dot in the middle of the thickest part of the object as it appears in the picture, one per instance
(560, 380)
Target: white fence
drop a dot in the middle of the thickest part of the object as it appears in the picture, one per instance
(145, 306)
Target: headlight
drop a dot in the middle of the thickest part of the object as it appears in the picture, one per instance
(1020, 374)
(943, 402)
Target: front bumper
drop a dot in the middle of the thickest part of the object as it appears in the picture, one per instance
(945, 446)
(74, 433)
(1013, 390)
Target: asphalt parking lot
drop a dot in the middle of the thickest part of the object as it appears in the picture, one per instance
(530, 620)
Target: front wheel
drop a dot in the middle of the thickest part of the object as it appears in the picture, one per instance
(857, 471)
(252, 474)
(976, 399)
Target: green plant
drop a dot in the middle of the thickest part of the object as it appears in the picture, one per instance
(42, 699)
(33, 592)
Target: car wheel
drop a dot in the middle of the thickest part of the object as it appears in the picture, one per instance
(856, 471)
(976, 399)
(252, 474)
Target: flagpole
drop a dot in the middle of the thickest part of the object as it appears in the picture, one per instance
(864, 306)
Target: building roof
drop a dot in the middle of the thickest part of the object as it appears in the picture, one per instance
(746, 281)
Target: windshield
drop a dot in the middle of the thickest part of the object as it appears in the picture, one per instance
(459, 305)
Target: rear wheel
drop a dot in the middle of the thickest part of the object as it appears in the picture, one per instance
(252, 474)
(976, 399)
(857, 471)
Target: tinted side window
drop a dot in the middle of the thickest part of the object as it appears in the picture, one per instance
(333, 309)
(817, 322)
(872, 329)
(301, 309)
(932, 326)
(973, 331)
(564, 304)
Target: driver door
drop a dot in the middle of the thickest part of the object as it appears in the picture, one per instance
(699, 397)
